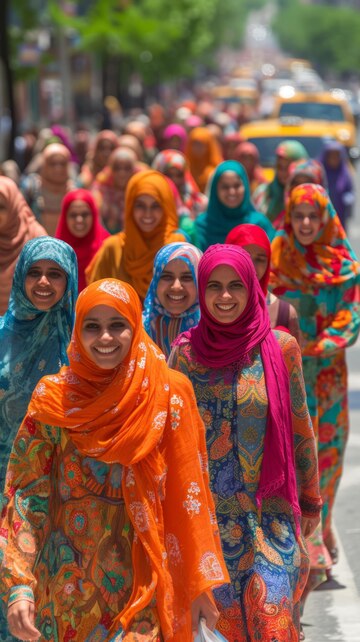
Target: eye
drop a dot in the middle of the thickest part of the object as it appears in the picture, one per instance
(54, 274)
(166, 277)
(187, 278)
(91, 325)
(212, 286)
(118, 325)
(34, 273)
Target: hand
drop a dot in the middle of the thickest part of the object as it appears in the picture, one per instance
(309, 525)
(204, 606)
(21, 617)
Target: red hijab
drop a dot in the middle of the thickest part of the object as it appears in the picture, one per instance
(87, 246)
(249, 234)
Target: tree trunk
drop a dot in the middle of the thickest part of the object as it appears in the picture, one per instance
(8, 74)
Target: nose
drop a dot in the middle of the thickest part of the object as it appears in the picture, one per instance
(306, 220)
(225, 294)
(44, 280)
(176, 284)
(106, 335)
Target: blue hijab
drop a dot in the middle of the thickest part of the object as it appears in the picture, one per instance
(214, 225)
(162, 327)
(33, 343)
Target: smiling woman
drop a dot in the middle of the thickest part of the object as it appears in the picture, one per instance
(120, 433)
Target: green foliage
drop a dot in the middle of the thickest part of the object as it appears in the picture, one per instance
(328, 36)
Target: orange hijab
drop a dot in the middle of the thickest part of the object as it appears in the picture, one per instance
(140, 248)
(122, 415)
(201, 167)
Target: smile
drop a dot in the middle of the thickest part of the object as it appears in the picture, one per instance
(42, 294)
(174, 297)
(108, 350)
(225, 307)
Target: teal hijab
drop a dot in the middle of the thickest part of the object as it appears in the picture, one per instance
(214, 225)
(33, 343)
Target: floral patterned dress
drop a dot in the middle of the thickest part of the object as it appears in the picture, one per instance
(67, 538)
(329, 322)
(268, 565)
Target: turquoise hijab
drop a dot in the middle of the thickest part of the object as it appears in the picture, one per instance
(33, 343)
(214, 225)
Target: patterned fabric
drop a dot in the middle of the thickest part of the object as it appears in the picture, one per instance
(329, 260)
(269, 198)
(190, 194)
(32, 344)
(155, 433)
(267, 564)
(163, 327)
(328, 307)
(215, 224)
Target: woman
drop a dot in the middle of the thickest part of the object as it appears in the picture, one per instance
(171, 305)
(124, 546)
(269, 197)
(44, 191)
(17, 226)
(250, 393)
(105, 142)
(174, 136)
(255, 241)
(173, 164)
(110, 185)
(302, 171)
(315, 269)
(203, 154)
(34, 335)
(79, 226)
(341, 184)
(248, 155)
(229, 204)
(151, 221)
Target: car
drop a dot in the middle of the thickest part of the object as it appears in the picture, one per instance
(268, 133)
(325, 106)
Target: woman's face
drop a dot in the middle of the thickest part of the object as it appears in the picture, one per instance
(147, 213)
(45, 284)
(106, 336)
(122, 169)
(176, 289)
(79, 218)
(3, 212)
(176, 175)
(230, 190)
(103, 151)
(306, 222)
(333, 158)
(259, 259)
(57, 168)
(175, 142)
(198, 149)
(226, 295)
(282, 169)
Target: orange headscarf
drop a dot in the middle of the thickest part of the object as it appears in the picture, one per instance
(123, 415)
(201, 167)
(132, 250)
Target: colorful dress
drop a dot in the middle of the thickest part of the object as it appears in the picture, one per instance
(32, 343)
(322, 282)
(161, 326)
(268, 566)
(109, 525)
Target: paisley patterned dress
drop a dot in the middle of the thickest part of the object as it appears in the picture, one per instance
(83, 575)
(267, 564)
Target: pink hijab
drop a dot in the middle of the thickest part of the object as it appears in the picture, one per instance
(219, 345)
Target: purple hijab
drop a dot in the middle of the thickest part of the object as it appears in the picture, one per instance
(339, 180)
(218, 345)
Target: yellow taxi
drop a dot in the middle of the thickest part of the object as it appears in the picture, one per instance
(269, 133)
(329, 107)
